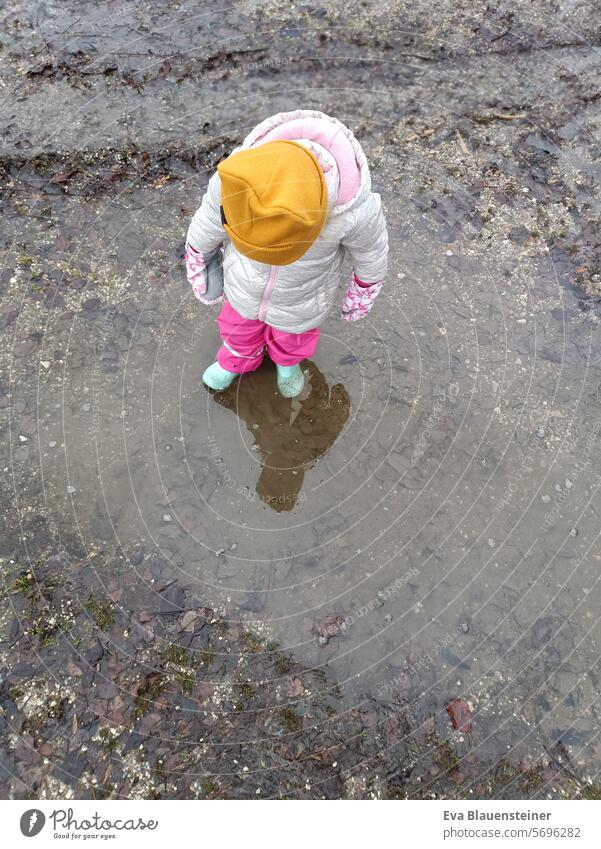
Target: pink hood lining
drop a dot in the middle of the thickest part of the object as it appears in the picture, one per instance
(332, 138)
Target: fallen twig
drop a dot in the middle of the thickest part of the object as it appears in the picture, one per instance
(462, 144)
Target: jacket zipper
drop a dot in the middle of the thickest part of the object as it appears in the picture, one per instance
(267, 292)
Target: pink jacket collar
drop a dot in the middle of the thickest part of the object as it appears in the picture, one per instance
(332, 138)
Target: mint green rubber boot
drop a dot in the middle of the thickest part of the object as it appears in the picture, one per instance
(290, 380)
(216, 377)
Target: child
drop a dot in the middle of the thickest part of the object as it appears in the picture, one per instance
(286, 206)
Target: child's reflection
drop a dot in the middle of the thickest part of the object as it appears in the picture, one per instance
(291, 433)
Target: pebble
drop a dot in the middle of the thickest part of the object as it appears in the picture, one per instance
(71, 490)
(52, 444)
(166, 517)
(168, 447)
(464, 628)
(220, 551)
(388, 617)
(574, 532)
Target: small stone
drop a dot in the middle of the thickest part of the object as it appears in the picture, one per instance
(71, 490)
(168, 447)
(464, 628)
(323, 641)
(22, 438)
(545, 499)
(540, 432)
(52, 444)
(574, 532)
(569, 484)
(189, 619)
(388, 617)
(220, 551)
(86, 407)
(166, 517)
(491, 543)
(45, 364)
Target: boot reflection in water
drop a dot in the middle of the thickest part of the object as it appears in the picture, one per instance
(292, 433)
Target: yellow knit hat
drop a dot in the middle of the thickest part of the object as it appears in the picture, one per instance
(274, 201)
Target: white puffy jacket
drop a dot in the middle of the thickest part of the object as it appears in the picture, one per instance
(299, 296)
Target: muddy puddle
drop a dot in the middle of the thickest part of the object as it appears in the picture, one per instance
(422, 522)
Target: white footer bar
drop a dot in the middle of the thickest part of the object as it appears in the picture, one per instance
(290, 823)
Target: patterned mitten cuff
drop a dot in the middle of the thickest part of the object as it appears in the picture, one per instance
(359, 299)
(195, 271)
(208, 301)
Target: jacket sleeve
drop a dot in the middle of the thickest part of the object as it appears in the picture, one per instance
(206, 232)
(367, 241)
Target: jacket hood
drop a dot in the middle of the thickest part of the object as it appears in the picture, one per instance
(336, 148)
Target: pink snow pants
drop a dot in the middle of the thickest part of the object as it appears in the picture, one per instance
(245, 339)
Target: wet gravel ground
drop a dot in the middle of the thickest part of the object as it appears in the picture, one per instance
(388, 587)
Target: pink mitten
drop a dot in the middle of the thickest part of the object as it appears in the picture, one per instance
(359, 299)
(201, 270)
